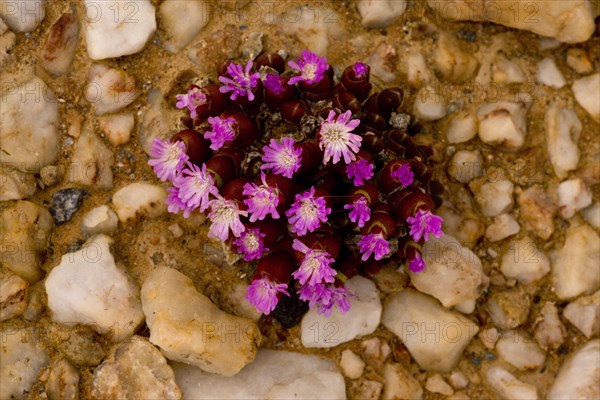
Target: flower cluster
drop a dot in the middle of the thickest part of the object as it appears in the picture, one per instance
(312, 206)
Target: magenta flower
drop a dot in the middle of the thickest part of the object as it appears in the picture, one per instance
(373, 243)
(263, 294)
(360, 212)
(167, 158)
(337, 139)
(222, 131)
(314, 293)
(262, 200)
(307, 213)
(416, 264)
(424, 223)
(282, 158)
(311, 67)
(174, 203)
(325, 297)
(360, 69)
(225, 215)
(359, 171)
(273, 83)
(250, 244)
(242, 83)
(195, 185)
(192, 100)
(403, 174)
(315, 267)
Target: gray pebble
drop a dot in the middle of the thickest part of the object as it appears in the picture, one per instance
(65, 203)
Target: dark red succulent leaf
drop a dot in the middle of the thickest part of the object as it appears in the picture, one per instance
(347, 264)
(278, 265)
(275, 100)
(380, 222)
(246, 129)
(197, 148)
(233, 190)
(273, 229)
(358, 86)
(390, 100)
(293, 110)
(371, 267)
(311, 157)
(406, 203)
(345, 101)
(216, 103)
(271, 60)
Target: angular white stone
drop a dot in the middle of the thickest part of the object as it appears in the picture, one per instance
(436, 384)
(155, 121)
(563, 129)
(418, 72)
(503, 123)
(61, 42)
(140, 198)
(453, 275)
(63, 380)
(26, 228)
(524, 262)
(429, 105)
(13, 296)
(91, 163)
(509, 309)
(509, 387)
(495, 198)
(586, 93)
(434, 336)
(189, 328)
(549, 330)
(362, 318)
(584, 313)
(466, 165)
(99, 220)
(117, 127)
(352, 365)
(569, 21)
(459, 380)
(109, 89)
(548, 74)
(592, 215)
(400, 384)
(462, 127)
(273, 375)
(507, 71)
(22, 15)
(379, 13)
(181, 22)
(573, 195)
(314, 34)
(504, 225)
(22, 359)
(575, 265)
(28, 123)
(135, 369)
(88, 288)
(520, 350)
(117, 29)
(15, 185)
(578, 377)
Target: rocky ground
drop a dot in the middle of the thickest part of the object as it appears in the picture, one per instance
(508, 94)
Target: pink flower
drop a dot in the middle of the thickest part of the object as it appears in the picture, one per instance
(315, 267)
(250, 244)
(195, 185)
(192, 100)
(339, 297)
(416, 264)
(359, 211)
(174, 203)
(337, 139)
(242, 83)
(359, 171)
(403, 174)
(373, 243)
(307, 213)
(360, 69)
(424, 223)
(273, 83)
(325, 297)
(263, 294)
(262, 200)
(167, 158)
(282, 157)
(311, 67)
(222, 131)
(225, 215)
